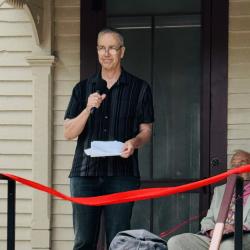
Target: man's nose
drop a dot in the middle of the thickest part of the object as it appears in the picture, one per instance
(106, 51)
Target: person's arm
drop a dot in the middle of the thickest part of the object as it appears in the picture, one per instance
(208, 222)
(74, 127)
(142, 137)
(246, 222)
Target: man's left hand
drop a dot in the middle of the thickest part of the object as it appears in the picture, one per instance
(128, 149)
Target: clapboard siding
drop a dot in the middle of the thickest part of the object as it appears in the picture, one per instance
(239, 101)
(8, 132)
(238, 143)
(61, 244)
(241, 131)
(68, 58)
(63, 221)
(67, 3)
(239, 8)
(14, 29)
(16, 162)
(13, 15)
(62, 207)
(240, 55)
(239, 76)
(238, 116)
(58, 117)
(239, 71)
(64, 147)
(64, 230)
(25, 173)
(69, 13)
(58, 133)
(67, 28)
(240, 23)
(22, 245)
(9, 44)
(67, 74)
(61, 102)
(63, 188)
(22, 234)
(21, 88)
(239, 39)
(22, 207)
(16, 104)
(62, 162)
(21, 220)
(15, 73)
(63, 88)
(22, 191)
(15, 117)
(239, 86)
(61, 177)
(65, 45)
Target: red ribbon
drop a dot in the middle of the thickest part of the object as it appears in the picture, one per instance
(134, 195)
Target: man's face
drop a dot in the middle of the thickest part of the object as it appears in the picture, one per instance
(110, 52)
(240, 160)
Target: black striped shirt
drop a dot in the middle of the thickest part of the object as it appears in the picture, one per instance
(127, 104)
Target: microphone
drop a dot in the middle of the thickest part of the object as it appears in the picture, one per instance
(100, 88)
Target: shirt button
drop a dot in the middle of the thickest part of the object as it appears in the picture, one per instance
(106, 117)
(105, 130)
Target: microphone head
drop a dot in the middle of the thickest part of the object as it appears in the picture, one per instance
(101, 86)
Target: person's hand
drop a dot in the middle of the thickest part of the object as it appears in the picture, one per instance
(128, 149)
(95, 100)
(210, 233)
(228, 228)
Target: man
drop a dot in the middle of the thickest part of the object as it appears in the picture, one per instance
(123, 113)
(189, 241)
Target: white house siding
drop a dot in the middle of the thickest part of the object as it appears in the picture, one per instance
(15, 118)
(239, 76)
(67, 73)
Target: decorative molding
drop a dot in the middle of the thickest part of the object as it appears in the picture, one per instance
(37, 60)
(35, 10)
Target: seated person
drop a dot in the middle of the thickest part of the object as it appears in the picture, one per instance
(189, 241)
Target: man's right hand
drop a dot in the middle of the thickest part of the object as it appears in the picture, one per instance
(95, 100)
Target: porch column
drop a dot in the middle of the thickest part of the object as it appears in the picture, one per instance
(42, 140)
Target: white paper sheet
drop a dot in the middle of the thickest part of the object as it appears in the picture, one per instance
(104, 148)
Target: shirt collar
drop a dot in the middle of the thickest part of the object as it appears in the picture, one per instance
(121, 80)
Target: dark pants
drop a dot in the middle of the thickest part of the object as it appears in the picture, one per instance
(86, 219)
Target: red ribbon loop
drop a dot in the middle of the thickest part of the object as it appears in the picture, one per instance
(134, 195)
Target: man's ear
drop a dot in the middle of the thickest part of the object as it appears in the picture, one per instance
(122, 51)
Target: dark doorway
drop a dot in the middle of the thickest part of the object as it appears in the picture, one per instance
(180, 48)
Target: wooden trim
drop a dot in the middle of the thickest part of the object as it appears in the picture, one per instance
(219, 84)
(215, 82)
(205, 103)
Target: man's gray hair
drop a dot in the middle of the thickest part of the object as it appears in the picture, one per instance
(111, 31)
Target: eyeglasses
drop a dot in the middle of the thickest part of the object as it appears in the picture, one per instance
(238, 164)
(111, 50)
